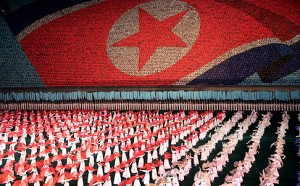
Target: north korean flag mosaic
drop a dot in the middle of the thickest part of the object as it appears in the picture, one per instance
(158, 42)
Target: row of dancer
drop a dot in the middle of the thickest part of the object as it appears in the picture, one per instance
(205, 150)
(211, 169)
(220, 132)
(242, 167)
(270, 174)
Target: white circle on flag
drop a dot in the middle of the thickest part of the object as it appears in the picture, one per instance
(127, 58)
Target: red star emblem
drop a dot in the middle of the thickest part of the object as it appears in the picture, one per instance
(153, 34)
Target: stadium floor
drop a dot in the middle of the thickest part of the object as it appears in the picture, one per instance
(288, 173)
